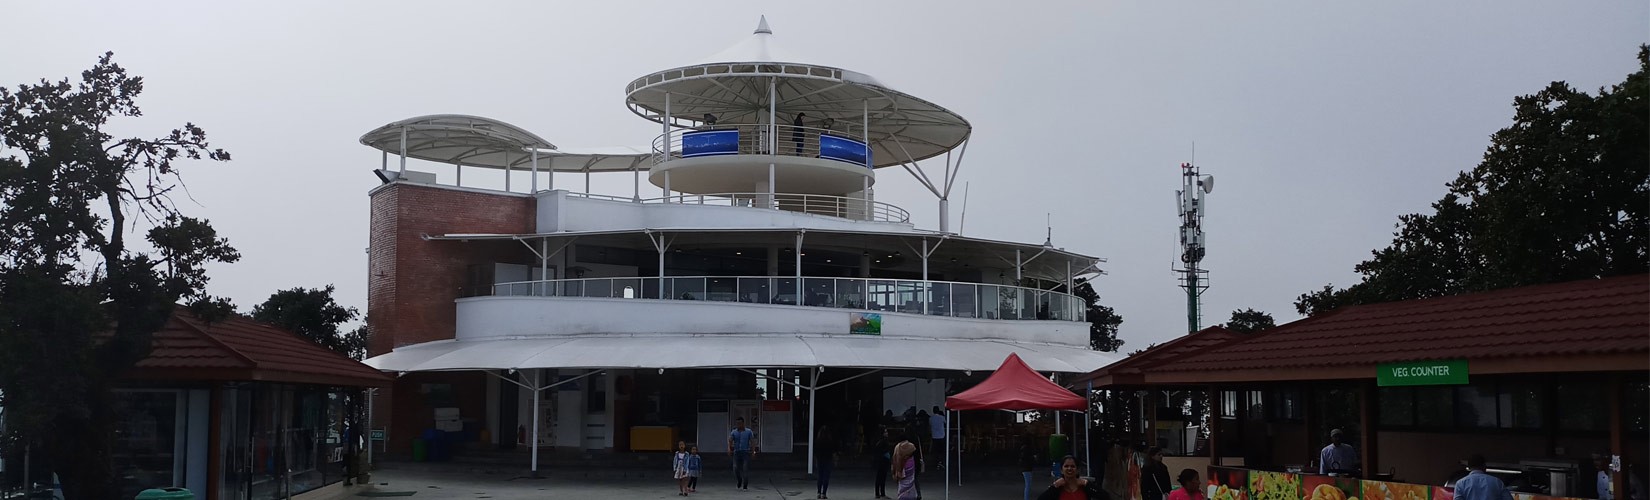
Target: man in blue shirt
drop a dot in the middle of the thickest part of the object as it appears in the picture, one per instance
(1479, 485)
(1338, 456)
(740, 447)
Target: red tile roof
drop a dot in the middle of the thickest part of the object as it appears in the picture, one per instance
(1579, 326)
(239, 348)
(1129, 370)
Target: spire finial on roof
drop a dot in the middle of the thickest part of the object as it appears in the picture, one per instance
(762, 27)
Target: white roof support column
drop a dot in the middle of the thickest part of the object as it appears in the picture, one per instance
(665, 138)
(536, 170)
(635, 183)
(403, 149)
(507, 178)
(534, 375)
(813, 396)
(384, 162)
(458, 170)
(798, 255)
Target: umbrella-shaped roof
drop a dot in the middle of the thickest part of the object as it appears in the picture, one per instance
(737, 85)
(1015, 386)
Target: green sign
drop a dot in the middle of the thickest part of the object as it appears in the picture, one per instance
(377, 435)
(1447, 372)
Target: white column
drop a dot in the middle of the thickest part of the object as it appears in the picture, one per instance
(813, 394)
(458, 171)
(928, 288)
(535, 170)
(798, 255)
(403, 149)
(666, 187)
(534, 438)
(1088, 432)
(945, 215)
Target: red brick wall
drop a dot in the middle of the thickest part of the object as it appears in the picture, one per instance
(412, 282)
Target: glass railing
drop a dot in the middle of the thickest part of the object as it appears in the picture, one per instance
(934, 298)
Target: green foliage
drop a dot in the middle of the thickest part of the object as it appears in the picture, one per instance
(1103, 320)
(78, 305)
(1249, 321)
(1563, 194)
(313, 314)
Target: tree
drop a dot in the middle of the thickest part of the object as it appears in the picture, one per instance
(1103, 320)
(1563, 194)
(79, 303)
(313, 314)
(1249, 321)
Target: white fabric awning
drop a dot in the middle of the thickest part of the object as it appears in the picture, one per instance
(734, 351)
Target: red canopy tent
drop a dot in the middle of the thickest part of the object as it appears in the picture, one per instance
(1014, 386)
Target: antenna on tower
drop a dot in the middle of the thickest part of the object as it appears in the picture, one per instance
(1048, 222)
(1194, 188)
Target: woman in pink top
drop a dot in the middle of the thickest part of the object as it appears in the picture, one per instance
(1190, 487)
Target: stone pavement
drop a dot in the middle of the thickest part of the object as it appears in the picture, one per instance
(429, 482)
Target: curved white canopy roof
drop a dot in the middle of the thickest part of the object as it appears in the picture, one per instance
(734, 351)
(457, 139)
(475, 141)
(733, 86)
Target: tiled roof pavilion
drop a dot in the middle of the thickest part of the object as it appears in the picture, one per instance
(241, 349)
(1596, 325)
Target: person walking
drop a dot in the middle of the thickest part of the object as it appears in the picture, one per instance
(1028, 463)
(824, 448)
(741, 448)
(905, 471)
(1480, 485)
(1070, 486)
(679, 468)
(937, 432)
(1154, 477)
(883, 456)
(696, 468)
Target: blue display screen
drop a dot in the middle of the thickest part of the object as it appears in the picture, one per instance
(710, 143)
(844, 149)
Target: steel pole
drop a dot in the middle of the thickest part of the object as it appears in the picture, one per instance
(403, 150)
(535, 170)
(372, 394)
(536, 417)
(813, 397)
(1088, 431)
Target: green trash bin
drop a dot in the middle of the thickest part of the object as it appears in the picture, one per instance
(1058, 446)
(166, 494)
(421, 450)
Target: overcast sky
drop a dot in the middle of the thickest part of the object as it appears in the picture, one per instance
(1322, 121)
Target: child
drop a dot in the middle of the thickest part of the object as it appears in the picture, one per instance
(679, 468)
(695, 468)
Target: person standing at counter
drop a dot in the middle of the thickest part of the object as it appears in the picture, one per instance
(1338, 456)
(1480, 485)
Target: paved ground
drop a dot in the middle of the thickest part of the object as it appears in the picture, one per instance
(429, 483)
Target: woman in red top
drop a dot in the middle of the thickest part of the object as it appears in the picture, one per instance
(1072, 487)
(1190, 487)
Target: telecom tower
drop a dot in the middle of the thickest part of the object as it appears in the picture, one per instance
(1194, 188)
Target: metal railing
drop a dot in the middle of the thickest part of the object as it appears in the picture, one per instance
(817, 204)
(788, 140)
(935, 298)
